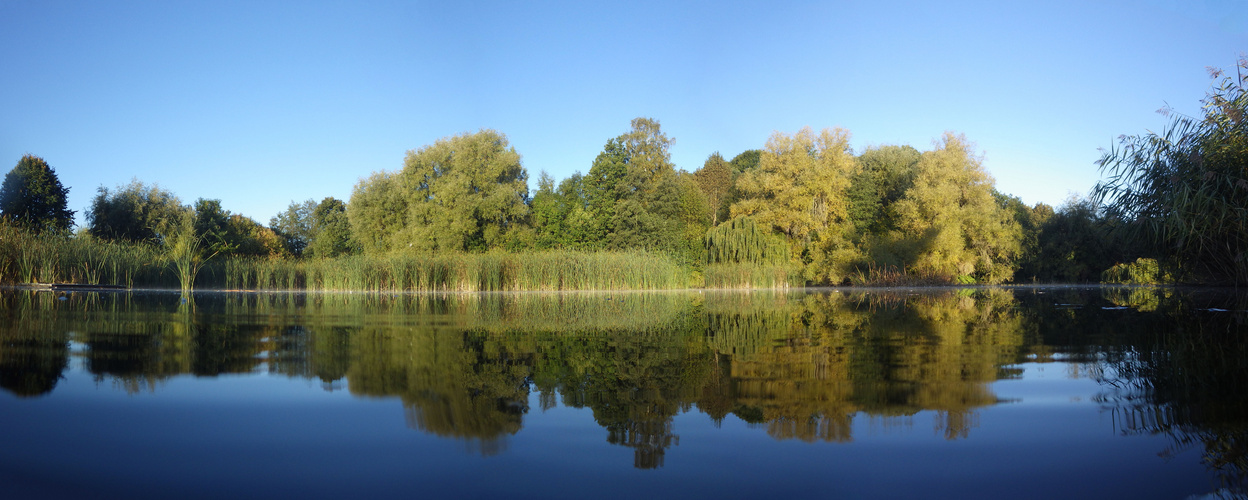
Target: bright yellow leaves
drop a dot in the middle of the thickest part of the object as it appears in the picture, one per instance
(799, 187)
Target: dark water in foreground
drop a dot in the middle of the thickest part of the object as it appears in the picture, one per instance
(1026, 393)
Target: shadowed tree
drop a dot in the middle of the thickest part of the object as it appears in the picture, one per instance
(134, 212)
(32, 197)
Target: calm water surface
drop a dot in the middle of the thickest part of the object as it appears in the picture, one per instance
(960, 393)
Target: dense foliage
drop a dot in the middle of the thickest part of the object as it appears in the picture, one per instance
(1183, 193)
(33, 197)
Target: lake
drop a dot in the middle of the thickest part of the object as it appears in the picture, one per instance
(1062, 392)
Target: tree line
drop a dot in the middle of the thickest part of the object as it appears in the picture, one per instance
(805, 208)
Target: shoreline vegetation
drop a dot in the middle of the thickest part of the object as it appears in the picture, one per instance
(46, 258)
(805, 210)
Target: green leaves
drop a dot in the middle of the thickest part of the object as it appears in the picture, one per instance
(32, 197)
(1183, 192)
(465, 192)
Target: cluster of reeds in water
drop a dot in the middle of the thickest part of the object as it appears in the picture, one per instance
(27, 257)
(460, 272)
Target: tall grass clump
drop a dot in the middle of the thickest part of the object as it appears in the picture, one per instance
(456, 272)
(1183, 193)
(891, 276)
(49, 257)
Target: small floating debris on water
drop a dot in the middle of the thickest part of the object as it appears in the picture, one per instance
(1214, 309)
(1117, 308)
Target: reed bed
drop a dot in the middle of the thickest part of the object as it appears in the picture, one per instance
(460, 272)
(27, 257)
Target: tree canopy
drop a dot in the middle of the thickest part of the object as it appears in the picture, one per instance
(32, 197)
(959, 227)
(465, 192)
(134, 212)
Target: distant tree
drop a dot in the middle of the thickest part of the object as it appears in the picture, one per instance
(1184, 192)
(463, 193)
(134, 212)
(746, 161)
(1031, 221)
(222, 233)
(331, 231)
(715, 179)
(1073, 244)
(635, 198)
(311, 229)
(887, 172)
(32, 197)
(294, 226)
(378, 211)
(212, 226)
(251, 239)
(955, 225)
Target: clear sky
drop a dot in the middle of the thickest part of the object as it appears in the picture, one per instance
(259, 103)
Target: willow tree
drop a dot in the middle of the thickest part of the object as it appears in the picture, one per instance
(953, 223)
(799, 189)
(464, 193)
(1185, 191)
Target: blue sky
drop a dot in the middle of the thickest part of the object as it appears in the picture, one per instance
(259, 104)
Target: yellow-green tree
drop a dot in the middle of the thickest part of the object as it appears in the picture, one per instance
(954, 224)
(799, 189)
(715, 179)
(377, 211)
(466, 192)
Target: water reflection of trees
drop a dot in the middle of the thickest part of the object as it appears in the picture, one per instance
(798, 365)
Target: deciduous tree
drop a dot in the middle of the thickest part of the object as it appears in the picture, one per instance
(32, 197)
(950, 214)
(135, 212)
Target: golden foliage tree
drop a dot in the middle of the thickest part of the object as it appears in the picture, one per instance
(799, 189)
(955, 225)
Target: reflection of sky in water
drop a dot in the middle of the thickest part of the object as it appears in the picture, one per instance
(263, 433)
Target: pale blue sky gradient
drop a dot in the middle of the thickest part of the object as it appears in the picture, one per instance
(262, 103)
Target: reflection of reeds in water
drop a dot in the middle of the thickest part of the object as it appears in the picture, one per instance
(1182, 375)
